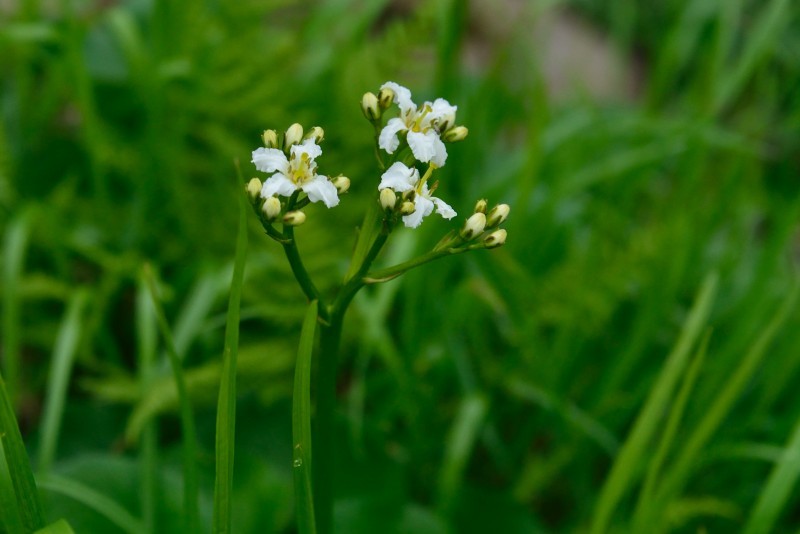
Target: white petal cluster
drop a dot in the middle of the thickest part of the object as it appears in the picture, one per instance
(423, 125)
(297, 172)
(402, 179)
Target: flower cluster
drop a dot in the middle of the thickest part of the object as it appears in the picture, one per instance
(411, 136)
(422, 131)
(294, 170)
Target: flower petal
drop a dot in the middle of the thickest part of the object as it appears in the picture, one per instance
(309, 146)
(399, 178)
(388, 139)
(423, 145)
(320, 188)
(443, 208)
(439, 152)
(402, 96)
(424, 207)
(270, 160)
(278, 184)
(443, 114)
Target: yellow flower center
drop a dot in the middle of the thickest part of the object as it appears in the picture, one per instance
(301, 169)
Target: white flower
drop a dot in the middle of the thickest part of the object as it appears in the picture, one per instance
(401, 179)
(299, 171)
(424, 126)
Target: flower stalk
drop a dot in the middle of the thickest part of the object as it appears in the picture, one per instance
(416, 135)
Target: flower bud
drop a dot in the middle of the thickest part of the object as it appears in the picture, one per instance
(495, 239)
(294, 218)
(385, 98)
(293, 136)
(497, 216)
(407, 208)
(271, 208)
(270, 138)
(455, 134)
(473, 226)
(369, 105)
(316, 133)
(253, 187)
(342, 184)
(388, 199)
(480, 206)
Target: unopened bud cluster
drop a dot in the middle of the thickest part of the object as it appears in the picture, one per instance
(482, 225)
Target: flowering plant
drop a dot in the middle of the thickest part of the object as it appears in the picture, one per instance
(406, 136)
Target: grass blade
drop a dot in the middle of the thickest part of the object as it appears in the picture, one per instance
(19, 467)
(95, 500)
(59, 527)
(640, 518)
(10, 520)
(647, 422)
(778, 488)
(190, 484)
(226, 407)
(60, 372)
(301, 425)
(16, 239)
(461, 440)
(146, 351)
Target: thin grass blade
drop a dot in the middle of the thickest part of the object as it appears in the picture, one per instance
(775, 495)
(19, 466)
(190, 484)
(301, 425)
(10, 521)
(60, 372)
(95, 500)
(59, 527)
(226, 407)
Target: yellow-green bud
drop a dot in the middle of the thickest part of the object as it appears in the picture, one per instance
(497, 216)
(316, 133)
(473, 226)
(407, 208)
(342, 184)
(388, 199)
(271, 208)
(495, 239)
(369, 105)
(480, 206)
(294, 218)
(453, 135)
(253, 187)
(385, 98)
(293, 136)
(270, 138)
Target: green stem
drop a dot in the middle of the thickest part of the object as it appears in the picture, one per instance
(298, 269)
(384, 275)
(324, 457)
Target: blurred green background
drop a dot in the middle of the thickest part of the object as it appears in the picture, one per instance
(627, 362)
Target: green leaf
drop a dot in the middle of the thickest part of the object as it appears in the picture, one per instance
(60, 372)
(366, 236)
(190, 484)
(775, 495)
(9, 512)
(226, 407)
(59, 527)
(95, 500)
(19, 467)
(301, 425)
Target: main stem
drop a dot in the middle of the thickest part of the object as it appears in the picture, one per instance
(324, 456)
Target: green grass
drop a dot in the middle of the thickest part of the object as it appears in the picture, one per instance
(590, 374)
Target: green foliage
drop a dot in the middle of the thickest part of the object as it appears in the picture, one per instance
(562, 382)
